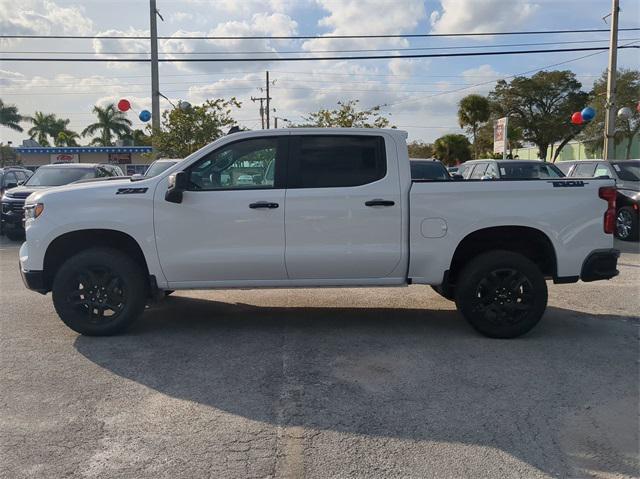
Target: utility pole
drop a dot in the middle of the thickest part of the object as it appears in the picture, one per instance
(268, 99)
(261, 100)
(609, 149)
(276, 118)
(155, 82)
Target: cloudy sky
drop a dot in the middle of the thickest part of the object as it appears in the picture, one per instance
(420, 95)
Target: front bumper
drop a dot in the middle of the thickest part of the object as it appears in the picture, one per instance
(600, 264)
(12, 215)
(34, 280)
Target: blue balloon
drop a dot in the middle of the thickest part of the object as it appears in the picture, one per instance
(145, 115)
(588, 113)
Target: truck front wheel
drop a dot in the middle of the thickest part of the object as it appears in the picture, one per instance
(502, 294)
(99, 292)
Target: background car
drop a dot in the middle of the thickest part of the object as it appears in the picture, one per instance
(159, 166)
(508, 169)
(627, 176)
(46, 176)
(428, 169)
(12, 176)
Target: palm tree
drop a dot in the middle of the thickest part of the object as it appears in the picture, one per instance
(111, 122)
(473, 111)
(44, 125)
(10, 117)
(62, 135)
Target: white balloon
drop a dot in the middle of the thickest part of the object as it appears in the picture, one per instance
(625, 112)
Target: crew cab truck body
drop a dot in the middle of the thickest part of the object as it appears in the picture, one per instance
(324, 207)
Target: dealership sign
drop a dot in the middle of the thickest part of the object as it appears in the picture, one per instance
(64, 158)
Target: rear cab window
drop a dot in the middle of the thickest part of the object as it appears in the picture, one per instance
(329, 161)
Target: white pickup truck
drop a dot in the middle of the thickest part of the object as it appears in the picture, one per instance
(314, 208)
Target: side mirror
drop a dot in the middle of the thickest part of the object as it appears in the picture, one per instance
(457, 177)
(487, 177)
(177, 185)
(21, 182)
(137, 177)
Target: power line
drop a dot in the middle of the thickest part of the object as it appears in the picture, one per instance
(290, 59)
(310, 37)
(460, 47)
(628, 45)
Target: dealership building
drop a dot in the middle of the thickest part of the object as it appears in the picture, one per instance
(131, 159)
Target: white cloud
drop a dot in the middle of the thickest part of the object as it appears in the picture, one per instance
(476, 16)
(367, 17)
(42, 17)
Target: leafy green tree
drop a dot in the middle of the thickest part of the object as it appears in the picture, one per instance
(184, 131)
(541, 106)
(10, 117)
(627, 94)
(452, 149)
(473, 112)
(140, 138)
(420, 149)
(44, 125)
(62, 135)
(112, 123)
(347, 115)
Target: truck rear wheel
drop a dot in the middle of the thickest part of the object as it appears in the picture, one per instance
(502, 294)
(99, 292)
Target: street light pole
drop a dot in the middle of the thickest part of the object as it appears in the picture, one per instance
(155, 82)
(609, 149)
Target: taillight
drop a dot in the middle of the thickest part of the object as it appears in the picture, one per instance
(608, 193)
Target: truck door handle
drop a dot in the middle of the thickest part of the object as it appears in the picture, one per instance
(379, 202)
(263, 204)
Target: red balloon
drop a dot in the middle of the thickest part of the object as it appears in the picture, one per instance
(577, 119)
(124, 105)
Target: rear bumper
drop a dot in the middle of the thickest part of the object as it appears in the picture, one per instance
(600, 264)
(34, 280)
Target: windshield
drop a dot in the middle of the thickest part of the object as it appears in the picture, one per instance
(158, 167)
(529, 171)
(59, 176)
(628, 170)
(428, 170)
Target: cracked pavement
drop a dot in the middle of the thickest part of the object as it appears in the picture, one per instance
(357, 383)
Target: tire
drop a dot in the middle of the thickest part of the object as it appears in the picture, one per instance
(627, 224)
(447, 292)
(116, 295)
(502, 294)
(14, 235)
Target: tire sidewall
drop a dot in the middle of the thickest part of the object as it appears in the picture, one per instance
(128, 270)
(478, 269)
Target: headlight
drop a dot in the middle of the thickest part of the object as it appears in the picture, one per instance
(31, 212)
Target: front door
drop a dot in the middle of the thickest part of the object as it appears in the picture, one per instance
(230, 224)
(343, 213)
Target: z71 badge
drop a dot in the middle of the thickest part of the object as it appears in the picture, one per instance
(131, 191)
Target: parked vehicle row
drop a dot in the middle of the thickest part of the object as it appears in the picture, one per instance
(47, 176)
(351, 214)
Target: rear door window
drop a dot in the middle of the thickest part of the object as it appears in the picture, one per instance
(329, 161)
(584, 170)
(478, 171)
(603, 170)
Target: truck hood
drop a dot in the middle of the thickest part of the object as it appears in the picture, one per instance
(78, 190)
(21, 192)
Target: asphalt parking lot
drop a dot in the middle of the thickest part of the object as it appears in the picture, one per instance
(360, 383)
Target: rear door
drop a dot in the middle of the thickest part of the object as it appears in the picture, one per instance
(343, 207)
